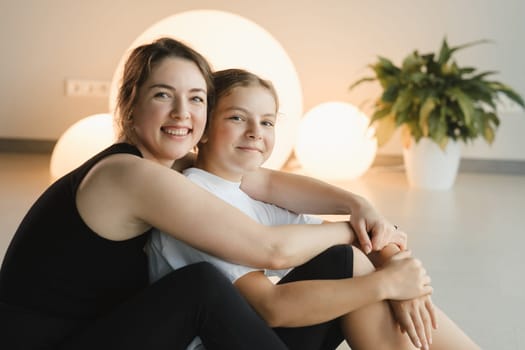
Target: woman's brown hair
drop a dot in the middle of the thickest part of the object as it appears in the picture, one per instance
(138, 68)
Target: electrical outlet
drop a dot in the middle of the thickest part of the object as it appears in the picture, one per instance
(88, 88)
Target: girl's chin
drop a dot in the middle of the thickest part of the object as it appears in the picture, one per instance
(250, 167)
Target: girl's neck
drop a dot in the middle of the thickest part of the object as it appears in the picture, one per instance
(218, 170)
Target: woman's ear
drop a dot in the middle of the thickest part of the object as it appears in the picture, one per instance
(204, 138)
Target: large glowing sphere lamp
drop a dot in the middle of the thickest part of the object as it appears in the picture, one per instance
(228, 40)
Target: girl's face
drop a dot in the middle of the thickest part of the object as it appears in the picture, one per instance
(241, 134)
(170, 114)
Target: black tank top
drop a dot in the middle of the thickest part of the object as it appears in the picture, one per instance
(57, 265)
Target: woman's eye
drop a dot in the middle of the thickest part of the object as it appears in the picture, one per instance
(197, 99)
(236, 117)
(162, 94)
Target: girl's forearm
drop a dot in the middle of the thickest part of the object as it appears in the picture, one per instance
(297, 193)
(305, 303)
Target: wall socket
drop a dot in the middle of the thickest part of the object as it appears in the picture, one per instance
(88, 88)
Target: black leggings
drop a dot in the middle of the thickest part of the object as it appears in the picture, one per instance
(194, 300)
(334, 263)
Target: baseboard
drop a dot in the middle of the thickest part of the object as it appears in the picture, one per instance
(467, 165)
(9, 145)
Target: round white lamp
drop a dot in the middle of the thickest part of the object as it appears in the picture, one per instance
(334, 142)
(231, 41)
(80, 142)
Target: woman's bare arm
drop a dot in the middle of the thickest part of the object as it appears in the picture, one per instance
(124, 195)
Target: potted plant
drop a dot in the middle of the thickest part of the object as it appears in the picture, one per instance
(437, 104)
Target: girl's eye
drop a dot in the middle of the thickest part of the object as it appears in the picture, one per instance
(267, 123)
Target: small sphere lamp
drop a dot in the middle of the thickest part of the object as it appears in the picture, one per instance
(334, 142)
(80, 142)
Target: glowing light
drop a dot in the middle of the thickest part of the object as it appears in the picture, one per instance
(80, 142)
(231, 41)
(334, 142)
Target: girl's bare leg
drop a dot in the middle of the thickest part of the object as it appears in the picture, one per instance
(449, 335)
(374, 326)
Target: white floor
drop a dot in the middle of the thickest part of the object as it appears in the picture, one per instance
(470, 238)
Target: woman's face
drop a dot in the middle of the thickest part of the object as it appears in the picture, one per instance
(170, 114)
(241, 134)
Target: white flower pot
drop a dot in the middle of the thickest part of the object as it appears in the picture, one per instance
(428, 166)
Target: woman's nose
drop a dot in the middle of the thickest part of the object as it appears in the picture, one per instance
(180, 110)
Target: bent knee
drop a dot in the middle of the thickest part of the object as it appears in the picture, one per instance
(362, 265)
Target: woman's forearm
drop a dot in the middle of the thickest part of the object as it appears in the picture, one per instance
(182, 209)
(296, 244)
(298, 193)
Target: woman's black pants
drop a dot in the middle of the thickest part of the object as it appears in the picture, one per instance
(196, 300)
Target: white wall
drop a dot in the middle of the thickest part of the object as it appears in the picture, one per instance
(330, 41)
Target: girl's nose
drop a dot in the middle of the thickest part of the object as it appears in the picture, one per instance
(254, 131)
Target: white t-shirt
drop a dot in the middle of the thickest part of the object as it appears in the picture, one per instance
(166, 253)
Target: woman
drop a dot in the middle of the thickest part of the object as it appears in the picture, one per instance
(75, 273)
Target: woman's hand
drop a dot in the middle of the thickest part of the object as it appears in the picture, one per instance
(405, 278)
(373, 231)
(417, 318)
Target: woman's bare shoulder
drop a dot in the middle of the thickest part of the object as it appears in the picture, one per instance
(110, 197)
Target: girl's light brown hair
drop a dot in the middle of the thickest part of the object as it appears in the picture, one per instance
(228, 79)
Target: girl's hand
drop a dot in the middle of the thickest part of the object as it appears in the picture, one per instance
(373, 231)
(417, 318)
(405, 278)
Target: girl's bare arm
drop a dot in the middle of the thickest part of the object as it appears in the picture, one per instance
(304, 303)
(303, 194)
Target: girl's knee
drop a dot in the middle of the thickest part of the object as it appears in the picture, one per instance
(362, 265)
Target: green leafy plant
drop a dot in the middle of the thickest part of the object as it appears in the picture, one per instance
(431, 96)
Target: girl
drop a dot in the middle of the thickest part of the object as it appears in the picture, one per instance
(75, 273)
(318, 304)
